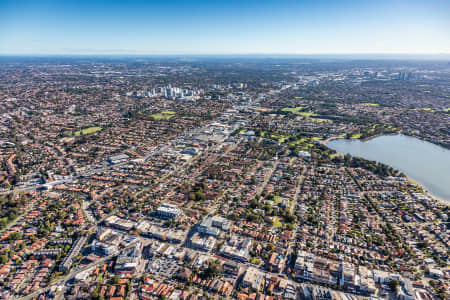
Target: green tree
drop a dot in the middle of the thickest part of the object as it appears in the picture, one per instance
(3, 258)
(394, 284)
(214, 269)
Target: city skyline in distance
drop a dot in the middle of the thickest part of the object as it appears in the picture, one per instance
(225, 27)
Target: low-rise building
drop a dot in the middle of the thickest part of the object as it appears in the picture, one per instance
(168, 211)
(253, 278)
(203, 243)
(211, 225)
(103, 248)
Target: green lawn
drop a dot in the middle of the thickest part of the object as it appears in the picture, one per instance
(307, 114)
(281, 139)
(356, 136)
(294, 110)
(87, 131)
(321, 120)
(164, 115)
(425, 109)
(370, 104)
(278, 137)
(298, 111)
(276, 222)
(299, 141)
(276, 199)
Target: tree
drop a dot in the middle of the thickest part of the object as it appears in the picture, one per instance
(3, 223)
(394, 284)
(199, 196)
(116, 279)
(423, 244)
(270, 247)
(15, 236)
(3, 258)
(214, 269)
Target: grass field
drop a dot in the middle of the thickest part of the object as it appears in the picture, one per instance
(321, 120)
(356, 136)
(375, 129)
(87, 131)
(294, 110)
(370, 104)
(164, 115)
(276, 199)
(299, 141)
(298, 111)
(279, 138)
(276, 222)
(307, 114)
(425, 109)
(262, 109)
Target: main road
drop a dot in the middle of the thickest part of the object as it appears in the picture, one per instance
(69, 277)
(72, 274)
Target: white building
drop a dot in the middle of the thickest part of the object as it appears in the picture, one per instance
(168, 211)
(253, 278)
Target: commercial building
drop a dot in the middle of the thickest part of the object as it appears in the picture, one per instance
(203, 243)
(103, 248)
(211, 225)
(253, 278)
(117, 159)
(168, 211)
(121, 224)
(240, 254)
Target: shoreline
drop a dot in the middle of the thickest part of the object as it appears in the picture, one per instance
(333, 138)
(441, 200)
(342, 137)
(377, 135)
(428, 193)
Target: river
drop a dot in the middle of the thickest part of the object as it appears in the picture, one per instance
(424, 162)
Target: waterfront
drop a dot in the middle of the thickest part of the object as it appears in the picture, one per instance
(424, 162)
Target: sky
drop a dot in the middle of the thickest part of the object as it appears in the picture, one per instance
(225, 27)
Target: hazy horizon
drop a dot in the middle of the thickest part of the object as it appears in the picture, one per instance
(257, 56)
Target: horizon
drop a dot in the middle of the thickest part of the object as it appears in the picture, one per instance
(306, 56)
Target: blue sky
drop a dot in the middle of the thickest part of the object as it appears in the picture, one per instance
(224, 27)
